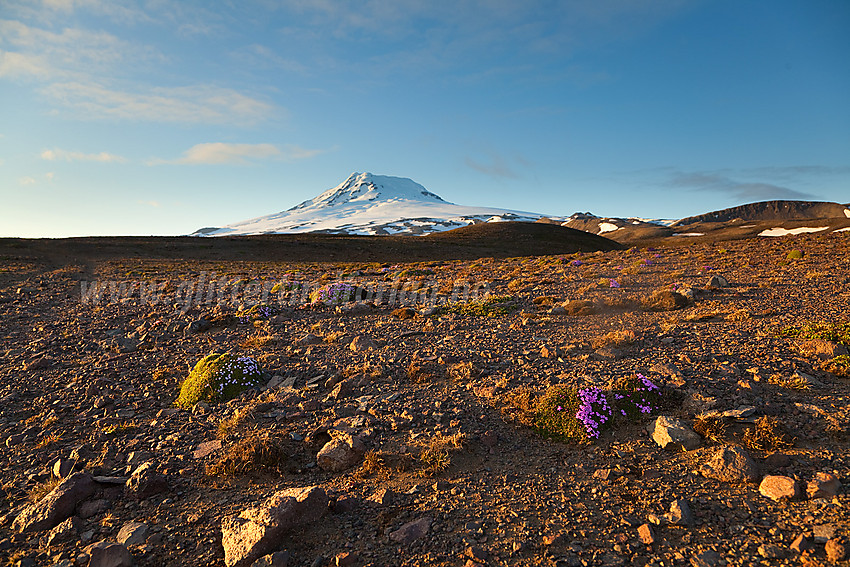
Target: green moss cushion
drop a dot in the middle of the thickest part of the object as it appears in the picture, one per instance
(218, 378)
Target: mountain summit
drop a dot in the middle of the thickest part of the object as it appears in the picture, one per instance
(371, 205)
(366, 187)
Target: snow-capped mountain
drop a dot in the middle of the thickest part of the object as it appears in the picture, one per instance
(601, 225)
(372, 205)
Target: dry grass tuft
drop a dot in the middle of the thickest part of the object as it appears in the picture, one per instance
(436, 454)
(421, 373)
(255, 453)
(48, 439)
(230, 425)
(615, 339)
(789, 382)
(259, 341)
(462, 371)
(384, 465)
(39, 491)
(711, 427)
(739, 316)
(520, 404)
(767, 435)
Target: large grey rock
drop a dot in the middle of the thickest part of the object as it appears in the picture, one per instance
(108, 554)
(717, 282)
(146, 481)
(706, 559)
(133, 533)
(340, 453)
(412, 531)
(257, 531)
(57, 506)
(672, 433)
(65, 531)
(824, 485)
(730, 464)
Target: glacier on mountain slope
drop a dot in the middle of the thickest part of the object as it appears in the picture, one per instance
(367, 204)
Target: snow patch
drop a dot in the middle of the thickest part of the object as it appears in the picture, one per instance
(847, 213)
(779, 231)
(842, 229)
(607, 227)
(688, 234)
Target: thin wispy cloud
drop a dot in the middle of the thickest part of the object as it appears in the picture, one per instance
(715, 182)
(220, 153)
(82, 71)
(65, 155)
(497, 165)
(195, 104)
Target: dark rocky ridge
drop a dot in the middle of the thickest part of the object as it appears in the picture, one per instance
(772, 210)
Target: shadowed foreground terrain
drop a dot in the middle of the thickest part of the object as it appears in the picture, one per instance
(501, 240)
(427, 426)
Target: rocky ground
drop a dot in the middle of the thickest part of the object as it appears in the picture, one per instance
(388, 436)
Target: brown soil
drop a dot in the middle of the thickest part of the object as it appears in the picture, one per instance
(438, 400)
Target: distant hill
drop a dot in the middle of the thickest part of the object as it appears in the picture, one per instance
(773, 211)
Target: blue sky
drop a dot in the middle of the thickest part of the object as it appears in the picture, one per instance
(160, 117)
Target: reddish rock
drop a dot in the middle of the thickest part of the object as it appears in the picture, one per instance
(730, 464)
(362, 343)
(647, 534)
(257, 531)
(802, 543)
(476, 553)
(57, 506)
(206, 448)
(836, 550)
(146, 481)
(824, 485)
(382, 497)
(346, 559)
(555, 539)
(671, 433)
(778, 487)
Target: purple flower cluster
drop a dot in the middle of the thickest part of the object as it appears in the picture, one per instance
(335, 293)
(594, 410)
(647, 383)
(242, 372)
(576, 263)
(614, 283)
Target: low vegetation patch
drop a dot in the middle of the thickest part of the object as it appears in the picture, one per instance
(835, 332)
(574, 414)
(338, 293)
(489, 306)
(218, 378)
(838, 366)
